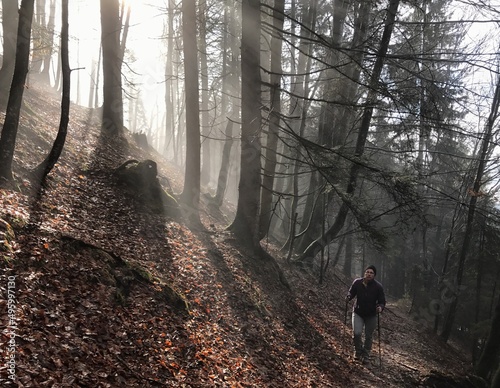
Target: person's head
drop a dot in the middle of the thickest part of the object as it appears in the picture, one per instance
(370, 272)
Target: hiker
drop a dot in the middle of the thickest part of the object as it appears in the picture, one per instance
(370, 301)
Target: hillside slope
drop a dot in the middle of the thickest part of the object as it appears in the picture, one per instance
(110, 294)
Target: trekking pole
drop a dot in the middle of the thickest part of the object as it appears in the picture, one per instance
(345, 313)
(345, 317)
(379, 351)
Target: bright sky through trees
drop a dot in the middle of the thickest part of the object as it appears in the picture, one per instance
(143, 63)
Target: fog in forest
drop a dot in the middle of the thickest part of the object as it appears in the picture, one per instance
(373, 128)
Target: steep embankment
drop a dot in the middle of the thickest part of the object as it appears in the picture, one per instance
(109, 294)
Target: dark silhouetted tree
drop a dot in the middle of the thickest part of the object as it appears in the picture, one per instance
(11, 123)
(46, 166)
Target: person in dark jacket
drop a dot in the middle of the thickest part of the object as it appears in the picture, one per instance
(370, 301)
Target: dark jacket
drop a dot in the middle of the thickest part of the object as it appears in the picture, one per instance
(368, 297)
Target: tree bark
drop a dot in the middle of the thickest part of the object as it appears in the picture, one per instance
(274, 120)
(230, 89)
(112, 107)
(299, 107)
(9, 30)
(191, 193)
(245, 225)
(11, 123)
(205, 117)
(46, 166)
(170, 138)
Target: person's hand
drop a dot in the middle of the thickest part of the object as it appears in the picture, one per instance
(347, 299)
(379, 309)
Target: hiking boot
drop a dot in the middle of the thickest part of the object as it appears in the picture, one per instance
(366, 360)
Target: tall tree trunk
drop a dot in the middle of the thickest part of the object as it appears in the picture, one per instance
(11, 123)
(48, 44)
(46, 166)
(349, 84)
(112, 107)
(299, 108)
(38, 37)
(330, 109)
(225, 161)
(317, 245)
(231, 54)
(206, 170)
(245, 225)
(10, 19)
(126, 25)
(170, 137)
(450, 318)
(191, 193)
(274, 120)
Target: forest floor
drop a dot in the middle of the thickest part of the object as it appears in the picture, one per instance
(91, 272)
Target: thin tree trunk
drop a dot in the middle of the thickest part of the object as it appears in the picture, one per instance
(274, 121)
(92, 85)
(349, 85)
(46, 166)
(317, 245)
(448, 325)
(231, 50)
(38, 37)
(349, 255)
(126, 25)
(49, 33)
(299, 113)
(224, 170)
(97, 78)
(205, 117)
(169, 81)
(11, 123)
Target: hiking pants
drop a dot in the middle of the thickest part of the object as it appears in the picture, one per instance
(369, 324)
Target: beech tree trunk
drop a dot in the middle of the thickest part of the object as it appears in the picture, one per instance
(191, 194)
(112, 107)
(245, 225)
